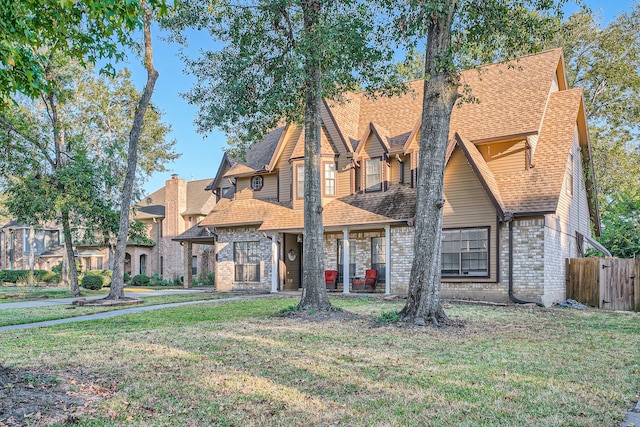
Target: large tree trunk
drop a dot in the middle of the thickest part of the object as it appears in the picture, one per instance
(68, 248)
(117, 285)
(314, 291)
(440, 92)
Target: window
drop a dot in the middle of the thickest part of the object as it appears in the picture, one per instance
(378, 256)
(227, 192)
(99, 263)
(372, 175)
(352, 259)
(194, 265)
(300, 182)
(465, 252)
(256, 183)
(161, 266)
(329, 179)
(246, 259)
(143, 264)
(160, 227)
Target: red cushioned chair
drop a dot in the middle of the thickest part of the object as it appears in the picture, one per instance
(331, 278)
(370, 279)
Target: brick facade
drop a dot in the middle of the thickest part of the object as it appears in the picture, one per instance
(225, 266)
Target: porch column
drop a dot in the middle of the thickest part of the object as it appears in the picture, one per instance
(387, 261)
(274, 263)
(188, 272)
(345, 261)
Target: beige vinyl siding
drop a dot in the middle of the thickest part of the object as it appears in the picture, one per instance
(243, 188)
(394, 171)
(357, 176)
(467, 205)
(343, 176)
(573, 210)
(504, 157)
(284, 167)
(269, 188)
(372, 148)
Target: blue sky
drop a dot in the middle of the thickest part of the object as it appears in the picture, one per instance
(201, 154)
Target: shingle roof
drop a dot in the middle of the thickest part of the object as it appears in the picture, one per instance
(395, 205)
(514, 100)
(228, 213)
(198, 201)
(195, 233)
(538, 189)
(259, 155)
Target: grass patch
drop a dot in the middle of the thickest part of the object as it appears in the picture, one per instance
(236, 364)
(20, 316)
(32, 293)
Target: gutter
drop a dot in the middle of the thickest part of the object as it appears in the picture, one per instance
(509, 218)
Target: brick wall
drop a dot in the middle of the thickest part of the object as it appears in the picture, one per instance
(225, 268)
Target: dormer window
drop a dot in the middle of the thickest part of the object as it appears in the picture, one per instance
(256, 183)
(373, 181)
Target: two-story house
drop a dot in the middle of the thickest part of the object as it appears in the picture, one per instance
(167, 213)
(519, 190)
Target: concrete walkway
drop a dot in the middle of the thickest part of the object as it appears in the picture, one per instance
(66, 301)
(125, 311)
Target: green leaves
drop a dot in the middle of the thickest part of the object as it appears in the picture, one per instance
(85, 30)
(621, 224)
(255, 78)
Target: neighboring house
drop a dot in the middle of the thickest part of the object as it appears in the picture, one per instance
(167, 213)
(519, 191)
(48, 248)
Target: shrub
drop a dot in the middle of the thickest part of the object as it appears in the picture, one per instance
(207, 280)
(25, 276)
(140, 280)
(126, 277)
(105, 274)
(92, 281)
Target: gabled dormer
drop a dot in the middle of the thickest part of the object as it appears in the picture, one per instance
(372, 155)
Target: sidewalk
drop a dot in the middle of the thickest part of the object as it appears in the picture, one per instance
(66, 301)
(124, 311)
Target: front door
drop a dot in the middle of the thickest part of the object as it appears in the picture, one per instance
(292, 262)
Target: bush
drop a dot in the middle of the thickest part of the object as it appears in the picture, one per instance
(206, 280)
(126, 278)
(140, 280)
(92, 281)
(24, 276)
(105, 274)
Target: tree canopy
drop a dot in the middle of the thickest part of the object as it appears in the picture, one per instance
(85, 30)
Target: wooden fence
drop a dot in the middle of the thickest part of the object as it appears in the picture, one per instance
(610, 283)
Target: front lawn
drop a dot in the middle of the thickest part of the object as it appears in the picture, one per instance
(19, 316)
(234, 364)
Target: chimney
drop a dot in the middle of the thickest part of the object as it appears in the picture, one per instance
(175, 203)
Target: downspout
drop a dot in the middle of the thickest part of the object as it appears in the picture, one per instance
(513, 298)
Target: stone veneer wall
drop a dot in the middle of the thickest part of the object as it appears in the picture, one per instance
(399, 260)
(225, 269)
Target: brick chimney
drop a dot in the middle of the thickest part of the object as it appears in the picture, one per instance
(175, 201)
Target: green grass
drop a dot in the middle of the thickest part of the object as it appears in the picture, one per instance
(235, 364)
(31, 293)
(19, 316)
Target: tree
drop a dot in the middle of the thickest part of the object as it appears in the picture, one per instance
(459, 34)
(605, 62)
(73, 179)
(116, 291)
(279, 61)
(86, 30)
(621, 224)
